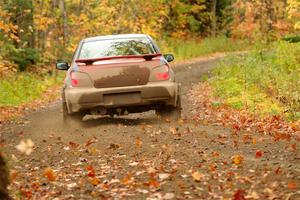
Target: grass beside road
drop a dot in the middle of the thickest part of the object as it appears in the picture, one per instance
(265, 81)
(25, 87)
(193, 48)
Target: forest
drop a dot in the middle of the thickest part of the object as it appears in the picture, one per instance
(36, 33)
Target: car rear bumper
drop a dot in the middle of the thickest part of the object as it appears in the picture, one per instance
(78, 99)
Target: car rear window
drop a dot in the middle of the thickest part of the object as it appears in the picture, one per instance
(116, 47)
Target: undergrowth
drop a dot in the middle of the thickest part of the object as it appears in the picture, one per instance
(264, 81)
(25, 87)
(192, 48)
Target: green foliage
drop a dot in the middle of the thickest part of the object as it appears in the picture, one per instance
(292, 39)
(25, 87)
(192, 48)
(24, 57)
(263, 81)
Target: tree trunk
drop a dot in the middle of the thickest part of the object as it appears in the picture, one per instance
(214, 17)
(62, 7)
(3, 179)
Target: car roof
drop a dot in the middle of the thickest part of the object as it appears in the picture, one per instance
(117, 36)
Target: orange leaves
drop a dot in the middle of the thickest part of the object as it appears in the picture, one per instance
(73, 144)
(213, 167)
(237, 159)
(294, 147)
(215, 154)
(13, 174)
(91, 171)
(94, 181)
(239, 195)
(152, 183)
(197, 176)
(127, 179)
(239, 120)
(292, 185)
(278, 170)
(91, 141)
(138, 142)
(92, 175)
(258, 154)
(49, 174)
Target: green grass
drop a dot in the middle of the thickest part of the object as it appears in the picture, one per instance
(265, 81)
(25, 87)
(193, 48)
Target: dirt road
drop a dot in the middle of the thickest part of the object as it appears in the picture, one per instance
(141, 156)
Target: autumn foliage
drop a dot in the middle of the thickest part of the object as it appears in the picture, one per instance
(38, 32)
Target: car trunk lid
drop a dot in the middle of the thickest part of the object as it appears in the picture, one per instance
(119, 72)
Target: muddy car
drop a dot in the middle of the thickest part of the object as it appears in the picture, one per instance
(117, 75)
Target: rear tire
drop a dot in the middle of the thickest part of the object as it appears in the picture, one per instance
(170, 112)
(69, 118)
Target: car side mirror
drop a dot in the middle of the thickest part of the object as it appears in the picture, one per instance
(62, 65)
(169, 57)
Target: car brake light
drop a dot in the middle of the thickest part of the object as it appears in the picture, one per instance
(163, 75)
(74, 82)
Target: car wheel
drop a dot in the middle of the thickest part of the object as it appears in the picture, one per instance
(74, 117)
(171, 113)
(65, 111)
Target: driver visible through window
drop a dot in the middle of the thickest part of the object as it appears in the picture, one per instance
(116, 47)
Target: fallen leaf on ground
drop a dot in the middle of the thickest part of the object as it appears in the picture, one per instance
(169, 196)
(94, 181)
(133, 163)
(127, 179)
(13, 174)
(138, 142)
(294, 147)
(278, 170)
(91, 171)
(237, 159)
(49, 173)
(239, 195)
(258, 154)
(197, 176)
(90, 141)
(292, 185)
(173, 130)
(252, 195)
(163, 176)
(72, 185)
(73, 144)
(151, 170)
(215, 154)
(153, 183)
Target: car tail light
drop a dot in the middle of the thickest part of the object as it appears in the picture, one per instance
(161, 73)
(80, 79)
(163, 76)
(74, 81)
